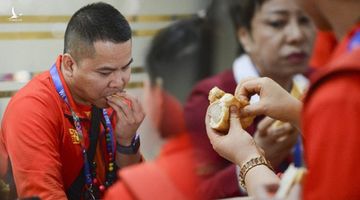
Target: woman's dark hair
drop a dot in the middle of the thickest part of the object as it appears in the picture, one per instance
(242, 13)
(91, 23)
(179, 48)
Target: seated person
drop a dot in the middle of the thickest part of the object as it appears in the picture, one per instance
(70, 129)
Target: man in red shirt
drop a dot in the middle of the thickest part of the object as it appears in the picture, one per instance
(70, 128)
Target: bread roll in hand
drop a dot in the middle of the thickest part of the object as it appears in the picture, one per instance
(219, 110)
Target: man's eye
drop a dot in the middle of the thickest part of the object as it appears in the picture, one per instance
(105, 73)
(125, 67)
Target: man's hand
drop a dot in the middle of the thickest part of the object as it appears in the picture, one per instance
(129, 116)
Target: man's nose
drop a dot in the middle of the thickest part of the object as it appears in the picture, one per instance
(117, 80)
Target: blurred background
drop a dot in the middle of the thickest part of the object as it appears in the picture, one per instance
(31, 38)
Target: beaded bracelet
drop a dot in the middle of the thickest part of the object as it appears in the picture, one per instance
(261, 160)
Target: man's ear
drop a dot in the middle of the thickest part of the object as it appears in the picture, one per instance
(68, 63)
(245, 39)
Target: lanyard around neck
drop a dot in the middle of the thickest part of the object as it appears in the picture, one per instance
(61, 91)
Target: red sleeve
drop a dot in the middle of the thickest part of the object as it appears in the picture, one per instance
(332, 139)
(32, 134)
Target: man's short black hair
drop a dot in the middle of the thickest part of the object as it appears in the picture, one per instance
(91, 23)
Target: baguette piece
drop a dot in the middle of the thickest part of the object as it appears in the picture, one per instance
(219, 112)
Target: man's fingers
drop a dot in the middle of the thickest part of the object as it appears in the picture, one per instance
(118, 110)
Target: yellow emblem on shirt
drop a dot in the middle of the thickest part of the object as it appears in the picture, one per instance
(87, 114)
(74, 136)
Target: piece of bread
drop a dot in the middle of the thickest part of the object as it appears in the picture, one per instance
(293, 175)
(219, 112)
(215, 94)
(123, 99)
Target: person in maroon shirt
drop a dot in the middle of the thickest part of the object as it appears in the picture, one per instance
(276, 41)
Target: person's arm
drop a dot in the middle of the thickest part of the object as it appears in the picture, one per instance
(274, 101)
(239, 147)
(129, 115)
(32, 136)
(217, 182)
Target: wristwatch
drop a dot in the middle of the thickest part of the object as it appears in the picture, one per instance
(132, 149)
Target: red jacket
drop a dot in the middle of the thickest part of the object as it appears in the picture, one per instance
(331, 127)
(170, 176)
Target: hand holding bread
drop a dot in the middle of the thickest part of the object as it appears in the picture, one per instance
(218, 111)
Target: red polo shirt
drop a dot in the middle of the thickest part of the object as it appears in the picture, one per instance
(39, 137)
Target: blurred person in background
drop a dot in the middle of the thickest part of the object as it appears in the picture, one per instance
(275, 40)
(187, 51)
(174, 52)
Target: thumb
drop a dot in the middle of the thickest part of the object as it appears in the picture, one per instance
(235, 118)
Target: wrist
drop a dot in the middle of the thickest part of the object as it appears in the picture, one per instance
(253, 151)
(254, 162)
(296, 112)
(124, 141)
(241, 161)
(127, 147)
